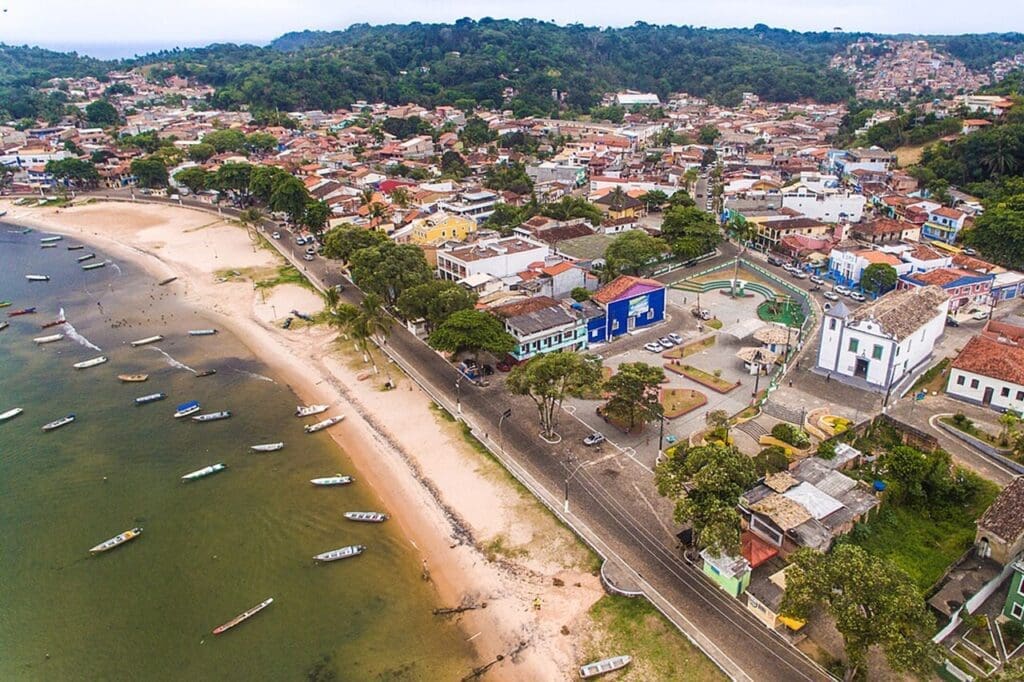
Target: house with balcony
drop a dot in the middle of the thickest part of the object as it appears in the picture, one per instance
(886, 230)
(944, 224)
(477, 205)
(441, 227)
(770, 233)
(542, 325)
(501, 258)
(822, 198)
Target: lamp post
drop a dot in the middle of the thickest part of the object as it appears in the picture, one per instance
(501, 438)
(458, 394)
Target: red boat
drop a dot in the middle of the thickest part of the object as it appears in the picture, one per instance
(23, 311)
(54, 323)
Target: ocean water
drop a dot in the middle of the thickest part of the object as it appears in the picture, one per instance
(212, 548)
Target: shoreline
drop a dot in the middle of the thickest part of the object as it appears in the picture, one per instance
(428, 502)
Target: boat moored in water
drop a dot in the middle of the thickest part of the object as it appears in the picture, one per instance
(310, 410)
(242, 617)
(48, 246)
(88, 256)
(340, 553)
(5, 304)
(76, 247)
(23, 311)
(10, 414)
(336, 479)
(204, 472)
(206, 373)
(267, 447)
(132, 378)
(57, 423)
(90, 363)
(148, 339)
(116, 541)
(50, 240)
(202, 332)
(212, 416)
(48, 339)
(4, 325)
(366, 517)
(320, 426)
(53, 323)
(185, 409)
(167, 281)
(152, 397)
(603, 666)
(38, 278)
(93, 266)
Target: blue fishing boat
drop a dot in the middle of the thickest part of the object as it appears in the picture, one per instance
(185, 409)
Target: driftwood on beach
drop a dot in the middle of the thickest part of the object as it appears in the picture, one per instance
(459, 609)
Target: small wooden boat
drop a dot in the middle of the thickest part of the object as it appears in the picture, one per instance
(116, 541)
(366, 517)
(202, 332)
(132, 378)
(53, 323)
(152, 397)
(336, 479)
(606, 665)
(204, 472)
(23, 311)
(88, 256)
(148, 339)
(48, 246)
(89, 363)
(212, 416)
(310, 410)
(320, 426)
(5, 304)
(4, 325)
(10, 414)
(50, 240)
(185, 409)
(48, 339)
(206, 373)
(267, 447)
(167, 281)
(242, 617)
(340, 553)
(57, 423)
(38, 278)
(76, 247)
(94, 266)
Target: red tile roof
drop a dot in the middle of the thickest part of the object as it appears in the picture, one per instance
(988, 357)
(615, 289)
(942, 276)
(950, 213)
(755, 550)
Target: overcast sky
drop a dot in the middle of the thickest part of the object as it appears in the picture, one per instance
(122, 28)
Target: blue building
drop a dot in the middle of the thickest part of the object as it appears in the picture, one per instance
(627, 303)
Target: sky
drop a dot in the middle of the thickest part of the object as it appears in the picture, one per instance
(109, 28)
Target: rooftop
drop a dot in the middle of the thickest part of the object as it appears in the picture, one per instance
(902, 312)
(1005, 518)
(620, 287)
(986, 356)
(501, 247)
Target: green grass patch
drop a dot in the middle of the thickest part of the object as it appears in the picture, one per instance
(791, 314)
(286, 274)
(678, 401)
(714, 323)
(704, 378)
(687, 349)
(659, 650)
(933, 379)
(499, 547)
(923, 544)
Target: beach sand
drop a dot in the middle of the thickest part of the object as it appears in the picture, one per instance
(535, 577)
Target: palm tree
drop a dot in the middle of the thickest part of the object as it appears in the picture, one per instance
(618, 198)
(366, 196)
(400, 197)
(365, 323)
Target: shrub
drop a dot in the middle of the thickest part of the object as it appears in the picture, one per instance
(962, 421)
(788, 433)
(580, 294)
(1013, 629)
(771, 460)
(827, 449)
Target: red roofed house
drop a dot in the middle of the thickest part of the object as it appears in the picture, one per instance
(628, 303)
(989, 373)
(944, 224)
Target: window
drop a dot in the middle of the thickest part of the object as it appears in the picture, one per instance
(876, 352)
(1020, 395)
(1005, 393)
(854, 345)
(960, 380)
(832, 324)
(1017, 610)
(974, 383)
(1020, 587)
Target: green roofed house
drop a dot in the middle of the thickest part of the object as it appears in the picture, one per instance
(1014, 608)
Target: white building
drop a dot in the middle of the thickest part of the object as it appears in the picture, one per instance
(990, 373)
(882, 342)
(632, 99)
(476, 205)
(499, 258)
(821, 198)
(846, 265)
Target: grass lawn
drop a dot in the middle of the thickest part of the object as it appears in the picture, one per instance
(704, 378)
(659, 650)
(286, 274)
(678, 401)
(714, 323)
(791, 315)
(923, 546)
(680, 352)
(933, 379)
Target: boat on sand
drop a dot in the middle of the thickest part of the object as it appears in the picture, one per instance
(603, 666)
(310, 410)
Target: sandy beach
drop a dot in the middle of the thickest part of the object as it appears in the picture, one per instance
(481, 538)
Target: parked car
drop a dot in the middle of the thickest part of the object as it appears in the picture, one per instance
(593, 439)
(300, 241)
(951, 322)
(654, 347)
(676, 339)
(857, 296)
(830, 295)
(843, 291)
(666, 342)
(701, 313)
(311, 250)
(980, 315)
(817, 280)
(276, 235)
(307, 256)
(970, 252)
(799, 275)
(774, 260)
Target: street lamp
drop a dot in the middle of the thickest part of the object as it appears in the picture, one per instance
(501, 438)
(458, 394)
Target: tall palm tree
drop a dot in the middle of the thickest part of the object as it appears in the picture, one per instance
(366, 196)
(365, 323)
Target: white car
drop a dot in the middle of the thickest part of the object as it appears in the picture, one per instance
(676, 339)
(666, 342)
(593, 439)
(817, 280)
(799, 275)
(276, 235)
(654, 347)
(830, 295)
(843, 291)
(980, 315)
(857, 296)
(307, 256)
(311, 250)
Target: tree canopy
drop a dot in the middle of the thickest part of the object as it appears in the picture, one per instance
(149, 172)
(434, 301)
(689, 231)
(343, 241)
(472, 331)
(631, 252)
(548, 378)
(878, 278)
(387, 269)
(633, 393)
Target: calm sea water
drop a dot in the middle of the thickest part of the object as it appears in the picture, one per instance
(211, 549)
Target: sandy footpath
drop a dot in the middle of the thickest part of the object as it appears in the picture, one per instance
(481, 538)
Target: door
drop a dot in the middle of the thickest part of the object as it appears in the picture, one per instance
(861, 370)
(987, 398)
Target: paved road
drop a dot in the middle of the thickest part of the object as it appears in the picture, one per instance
(612, 497)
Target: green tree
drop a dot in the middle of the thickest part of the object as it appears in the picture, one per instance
(476, 132)
(365, 323)
(771, 459)
(289, 196)
(260, 142)
(149, 172)
(570, 208)
(878, 278)
(343, 241)
(234, 178)
(690, 232)
(708, 134)
(387, 269)
(201, 152)
(263, 180)
(705, 483)
(74, 172)
(509, 177)
(226, 140)
(506, 217)
(634, 394)
(999, 232)
(101, 113)
(548, 378)
(434, 301)
(453, 165)
(873, 603)
(315, 216)
(631, 252)
(580, 294)
(654, 199)
(196, 178)
(472, 331)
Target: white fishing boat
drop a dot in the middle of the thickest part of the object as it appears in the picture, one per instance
(117, 540)
(88, 256)
(242, 617)
(340, 553)
(606, 665)
(57, 423)
(10, 414)
(204, 472)
(148, 339)
(336, 479)
(366, 517)
(85, 364)
(48, 246)
(75, 247)
(212, 416)
(310, 410)
(152, 397)
(267, 447)
(38, 278)
(4, 325)
(50, 240)
(48, 339)
(185, 409)
(320, 426)
(202, 332)
(93, 266)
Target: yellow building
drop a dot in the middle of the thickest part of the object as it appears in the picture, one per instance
(441, 227)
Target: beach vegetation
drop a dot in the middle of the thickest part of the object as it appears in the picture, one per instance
(634, 394)
(366, 323)
(872, 601)
(705, 482)
(286, 274)
(471, 331)
(548, 378)
(434, 301)
(500, 547)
